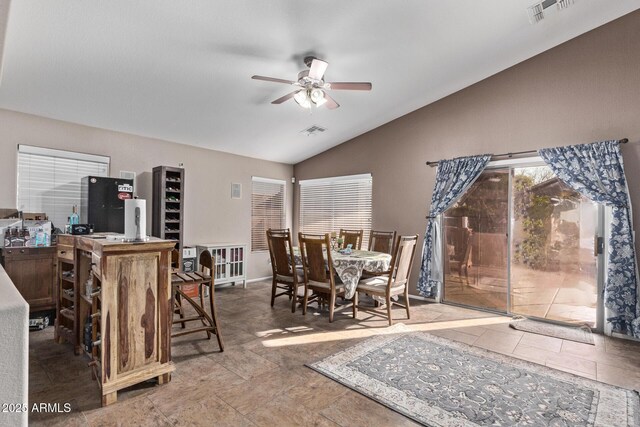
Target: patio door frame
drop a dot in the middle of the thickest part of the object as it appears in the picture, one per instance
(603, 212)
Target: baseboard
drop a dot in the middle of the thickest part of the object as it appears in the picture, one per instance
(624, 337)
(418, 297)
(259, 279)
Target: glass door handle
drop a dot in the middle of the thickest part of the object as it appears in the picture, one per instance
(598, 245)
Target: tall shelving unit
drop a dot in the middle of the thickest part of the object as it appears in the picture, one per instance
(168, 205)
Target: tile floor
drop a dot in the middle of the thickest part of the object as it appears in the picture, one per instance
(261, 380)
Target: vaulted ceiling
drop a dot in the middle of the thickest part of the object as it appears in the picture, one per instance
(180, 70)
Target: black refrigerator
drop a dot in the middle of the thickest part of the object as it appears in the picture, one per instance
(102, 202)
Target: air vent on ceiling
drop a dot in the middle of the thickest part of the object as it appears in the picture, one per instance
(313, 130)
(536, 11)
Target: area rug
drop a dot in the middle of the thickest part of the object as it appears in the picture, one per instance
(581, 334)
(439, 382)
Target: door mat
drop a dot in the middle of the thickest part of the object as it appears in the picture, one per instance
(581, 334)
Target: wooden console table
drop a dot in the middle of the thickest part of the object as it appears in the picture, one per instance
(33, 272)
(130, 316)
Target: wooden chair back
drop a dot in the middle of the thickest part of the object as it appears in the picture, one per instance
(313, 249)
(175, 259)
(281, 252)
(206, 262)
(382, 241)
(402, 261)
(352, 237)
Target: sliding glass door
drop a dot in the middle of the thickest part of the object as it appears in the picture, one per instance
(476, 227)
(522, 242)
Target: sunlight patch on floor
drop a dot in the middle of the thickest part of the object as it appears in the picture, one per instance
(369, 332)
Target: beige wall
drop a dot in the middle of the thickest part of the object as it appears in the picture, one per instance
(585, 90)
(210, 213)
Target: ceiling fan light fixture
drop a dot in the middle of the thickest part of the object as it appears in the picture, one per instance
(302, 99)
(317, 96)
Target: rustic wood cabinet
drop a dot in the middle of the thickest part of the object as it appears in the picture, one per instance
(33, 272)
(128, 314)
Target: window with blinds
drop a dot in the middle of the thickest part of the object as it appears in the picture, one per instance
(267, 209)
(329, 204)
(49, 180)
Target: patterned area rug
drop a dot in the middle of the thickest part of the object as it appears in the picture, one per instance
(581, 334)
(438, 382)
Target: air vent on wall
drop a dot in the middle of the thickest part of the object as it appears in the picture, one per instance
(236, 190)
(536, 11)
(313, 130)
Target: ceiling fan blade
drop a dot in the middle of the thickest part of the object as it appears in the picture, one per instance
(286, 97)
(317, 69)
(273, 79)
(349, 86)
(331, 103)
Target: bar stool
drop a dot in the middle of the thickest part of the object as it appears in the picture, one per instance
(210, 323)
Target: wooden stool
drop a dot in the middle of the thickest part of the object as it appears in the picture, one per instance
(201, 279)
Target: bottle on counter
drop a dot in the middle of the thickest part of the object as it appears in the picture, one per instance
(17, 237)
(26, 236)
(74, 218)
(7, 238)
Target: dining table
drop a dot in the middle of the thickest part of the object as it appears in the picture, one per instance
(350, 266)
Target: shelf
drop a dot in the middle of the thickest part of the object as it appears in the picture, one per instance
(67, 297)
(172, 232)
(173, 191)
(172, 201)
(68, 279)
(69, 314)
(171, 221)
(86, 299)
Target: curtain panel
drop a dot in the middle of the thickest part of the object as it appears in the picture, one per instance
(596, 171)
(453, 178)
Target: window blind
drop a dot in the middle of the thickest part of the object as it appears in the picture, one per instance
(329, 204)
(267, 209)
(49, 180)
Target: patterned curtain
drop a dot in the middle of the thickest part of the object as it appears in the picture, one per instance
(453, 178)
(596, 171)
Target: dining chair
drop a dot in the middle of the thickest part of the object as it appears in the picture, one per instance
(396, 282)
(352, 237)
(286, 277)
(319, 274)
(382, 241)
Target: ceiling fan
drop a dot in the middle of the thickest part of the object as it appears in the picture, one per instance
(312, 87)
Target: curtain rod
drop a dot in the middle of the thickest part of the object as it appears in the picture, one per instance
(517, 153)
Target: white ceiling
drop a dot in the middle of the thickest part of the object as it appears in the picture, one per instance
(180, 70)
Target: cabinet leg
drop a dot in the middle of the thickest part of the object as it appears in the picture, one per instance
(77, 350)
(109, 398)
(164, 378)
